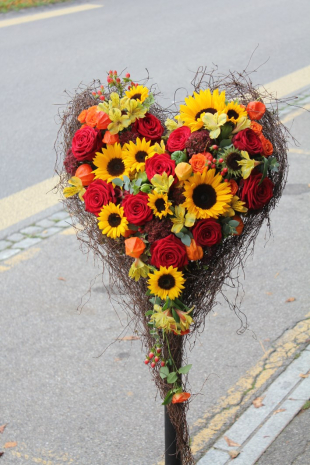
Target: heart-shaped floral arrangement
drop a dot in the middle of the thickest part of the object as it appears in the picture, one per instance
(171, 202)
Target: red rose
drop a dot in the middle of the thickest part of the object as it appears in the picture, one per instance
(149, 127)
(136, 209)
(207, 232)
(85, 143)
(158, 164)
(249, 141)
(169, 251)
(98, 194)
(178, 139)
(254, 195)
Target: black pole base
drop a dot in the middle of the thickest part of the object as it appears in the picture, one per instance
(171, 457)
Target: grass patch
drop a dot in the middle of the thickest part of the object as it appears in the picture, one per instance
(306, 405)
(9, 5)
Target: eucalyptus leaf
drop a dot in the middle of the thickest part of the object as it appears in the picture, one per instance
(186, 240)
(172, 377)
(185, 370)
(266, 163)
(164, 372)
(179, 235)
(233, 223)
(118, 182)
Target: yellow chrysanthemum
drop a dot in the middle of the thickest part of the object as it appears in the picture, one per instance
(139, 93)
(200, 104)
(206, 195)
(160, 204)
(167, 282)
(136, 154)
(110, 163)
(112, 221)
(235, 112)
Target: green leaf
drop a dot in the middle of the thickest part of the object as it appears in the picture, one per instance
(233, 223)
(148, 101)
(266, 163)
(168, 398)
(146, 188)
(185, 370)
(225, 143)
(186, 240)
(179, 235)
(167, 304)
(164, 372)
(172, 377)
(175, 316)
(273, 164)
(136, 190)
(126, 179)
(133, 227)
(149, 312)
(226, 131)
(118, 182)
(179, 303)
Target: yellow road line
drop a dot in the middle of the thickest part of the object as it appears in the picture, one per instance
(21, 257)
(47, 15)
(302, 152)
(295, 114)
(27, 202)
(290, 83)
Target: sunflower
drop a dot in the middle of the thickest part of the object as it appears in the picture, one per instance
(206, 195)
(198, 105)
(110, 163)
(136, 154)
(167, 282)
(160, 204)
(112, 221)
(139, 93)
(231, 157)
(235, 112)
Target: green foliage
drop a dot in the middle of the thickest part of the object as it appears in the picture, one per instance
(172, 377)
(184, 370)
(225, 143)
(179, 157)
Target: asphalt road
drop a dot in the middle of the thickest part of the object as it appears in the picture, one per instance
(62, 403)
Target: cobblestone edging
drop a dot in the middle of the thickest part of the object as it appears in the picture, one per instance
(33, 234)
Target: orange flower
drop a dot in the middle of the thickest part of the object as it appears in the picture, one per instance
(134, 247)
(256, 127)
(198, 162)
(194, 251)
(82, 116)
(180, 397)
(85, 173)
(103, 120)
(183, 171)
(129, 232)
(239, 228)
(233, 187)
(91, 117)
(267, 146)
(256, 110)
(110, 139)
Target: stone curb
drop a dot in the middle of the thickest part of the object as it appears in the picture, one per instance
(257, 428)
(33, 234)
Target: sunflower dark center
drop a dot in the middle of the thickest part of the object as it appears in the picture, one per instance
(232, 161)
(114, 220)
(116, 166)
(160, 205)
(204, 196)
(140, 156)
(166, 281)
(136, 97)
(205, 110)
(232, 114)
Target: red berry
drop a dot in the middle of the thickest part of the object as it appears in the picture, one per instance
(214, 160)
(102, 97)
(115, 73)
(110, 72)
(151, 355)
(225, 170)
(94, 93)
(213, 166)
(162, 363)
(127, 75)
(221, 160)
(99, 92)
(109, 80)
(118, 80)
(214, 147)
(209, 162)
(158, 350)
(136, 85)
(146, 361)
(101, 86)
(156, 359)
(132, 83)
(153, 364)
(225, 180)
(222, 173)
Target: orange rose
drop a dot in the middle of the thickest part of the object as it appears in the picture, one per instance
(82, 116)
(198, 162)
(110, 139)
(233, 187)
(103, 120)
(239, 228)
(134, 247)
(91, 118)
(267, 146)
(256, 110)
(257, 128)
(180, 397)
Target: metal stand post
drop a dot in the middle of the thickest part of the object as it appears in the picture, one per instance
(171, 458)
